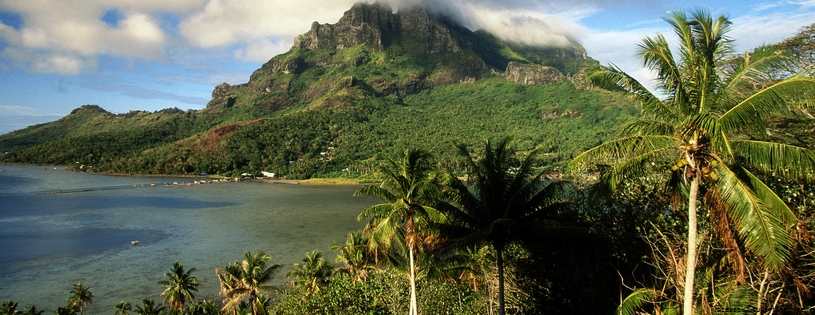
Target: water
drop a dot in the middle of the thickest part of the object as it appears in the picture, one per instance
(59, 227)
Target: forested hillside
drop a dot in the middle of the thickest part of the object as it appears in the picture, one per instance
(343, 95)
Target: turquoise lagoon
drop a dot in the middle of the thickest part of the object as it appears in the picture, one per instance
(59, 227)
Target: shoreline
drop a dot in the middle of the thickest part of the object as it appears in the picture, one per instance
(216, 178)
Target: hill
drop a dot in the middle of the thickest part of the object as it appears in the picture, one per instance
(345, 93)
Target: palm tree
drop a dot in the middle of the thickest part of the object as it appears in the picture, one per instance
(359, 261)
(498, 202)
(709, 133)
(9, 307)
(180, 286)
(245, 280)
(63, 310)
(33, 310)
(149, 307)
(408, 188)
(313, 272)
(81, 296)
(122, 308)
(204, 307)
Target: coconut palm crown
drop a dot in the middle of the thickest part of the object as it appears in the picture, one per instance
(244, 281)
(180, 286)
(81, 296)
(499, 202)
(707, 128)
(409, 185)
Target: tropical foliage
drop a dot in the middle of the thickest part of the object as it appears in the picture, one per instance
(502, 199)
(312, 273)
(408, 189)
(81, 296)
(180, 286)
(244, 281)
(709, 135)
(502, 230)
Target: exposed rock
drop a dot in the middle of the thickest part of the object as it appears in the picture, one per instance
(223, 95)
(426, 35)
(581, 80)
(434, 52)
(549, 114)
(362, 24)
(288, 65)
(531, 74)
(89, 109)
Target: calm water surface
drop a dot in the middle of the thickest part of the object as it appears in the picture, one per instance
(59, 227)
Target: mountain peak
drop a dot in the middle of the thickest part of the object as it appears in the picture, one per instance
(362, 24)
(377, 26)
(381, 52)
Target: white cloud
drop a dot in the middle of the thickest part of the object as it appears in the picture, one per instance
(262, 50)
(224, 23)
(63, 35)
(17, 110)
(62, 64)
(524, 27)
(751, 31)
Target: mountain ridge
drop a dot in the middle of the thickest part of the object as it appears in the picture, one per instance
(343, 94)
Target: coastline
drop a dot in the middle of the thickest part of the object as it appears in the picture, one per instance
(217, 178)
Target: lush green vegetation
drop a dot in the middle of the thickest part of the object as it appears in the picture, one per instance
(361, 101)
(560, 118)
(572, 258)
(701, 204)
(709, 136)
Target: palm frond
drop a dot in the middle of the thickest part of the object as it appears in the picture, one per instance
(376, 191)
(646, 127)
(762, 230)
(619, 150)
(635, 301)
(754, 71)
(613, 78)
(768, 101)
(375, 211)
(783, 159)
(704, 123)
(774, 203)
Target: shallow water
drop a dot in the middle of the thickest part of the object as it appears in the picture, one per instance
(59, 227)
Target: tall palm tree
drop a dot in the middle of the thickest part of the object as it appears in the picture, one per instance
(245, 280)
(313, 272)
(708, 132)
(81, 296)
(358, 260)
(149, 307)
(180, 287)
(408, 189)
(122, 308)
(498, 202)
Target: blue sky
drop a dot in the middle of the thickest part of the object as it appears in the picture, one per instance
(56, 55)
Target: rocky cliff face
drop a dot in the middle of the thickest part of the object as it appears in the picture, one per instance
(531, 74)
(395, 53)
(363, 24)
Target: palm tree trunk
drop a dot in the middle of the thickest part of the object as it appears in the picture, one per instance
(690, 266)
(500, 261)
(413, 308)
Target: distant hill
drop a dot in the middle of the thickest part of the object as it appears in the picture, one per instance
(345, 94)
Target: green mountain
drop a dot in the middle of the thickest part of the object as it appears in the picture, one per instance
(346, 93)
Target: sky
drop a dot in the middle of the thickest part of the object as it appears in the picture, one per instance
(123, 55)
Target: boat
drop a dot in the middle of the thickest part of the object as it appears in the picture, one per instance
(134, 243)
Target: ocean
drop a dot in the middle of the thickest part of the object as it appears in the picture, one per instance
(59, 227)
